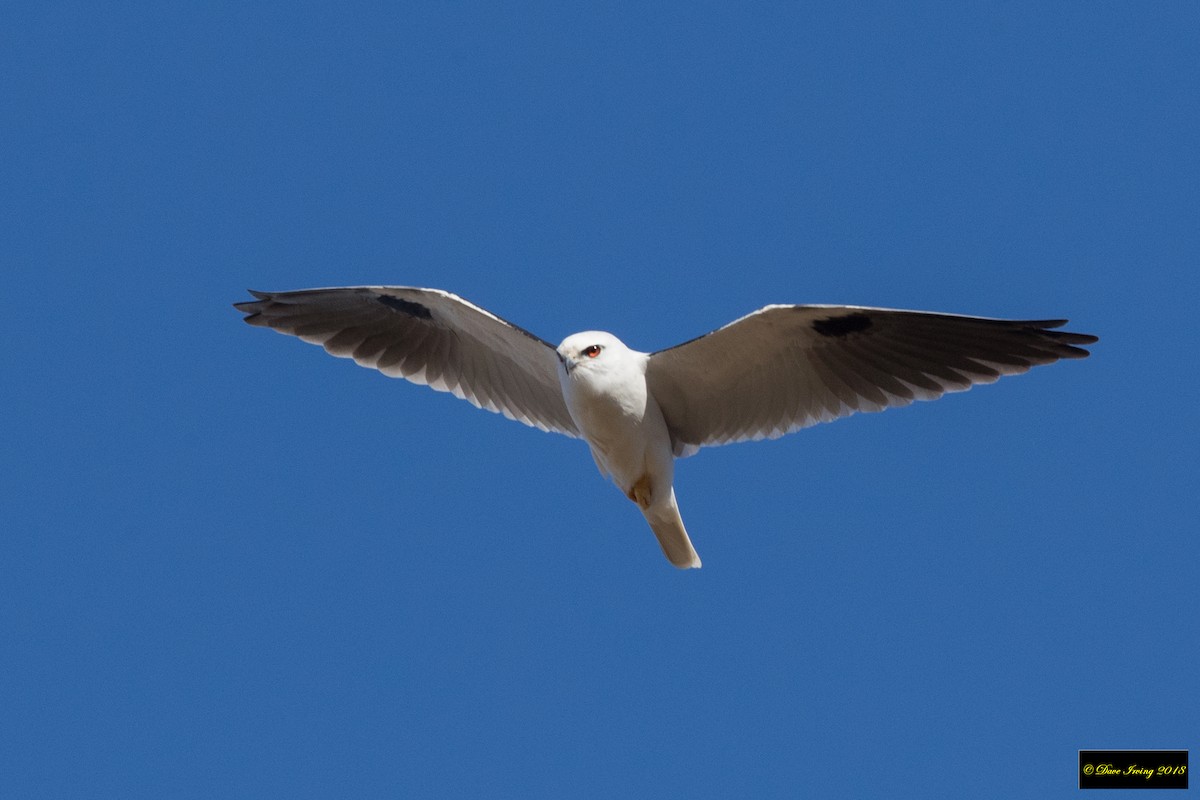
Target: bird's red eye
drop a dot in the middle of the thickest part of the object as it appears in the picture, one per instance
(592, 351)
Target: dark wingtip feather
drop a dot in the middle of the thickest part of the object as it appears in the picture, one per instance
(1062, 340)
(1069, 352)
(1066, 341)
(253, 308)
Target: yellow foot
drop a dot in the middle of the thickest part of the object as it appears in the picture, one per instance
(640, 492)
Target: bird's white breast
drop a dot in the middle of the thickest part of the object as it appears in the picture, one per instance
(617, 416)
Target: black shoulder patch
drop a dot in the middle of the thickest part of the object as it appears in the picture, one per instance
(841, 326)
(405, 306)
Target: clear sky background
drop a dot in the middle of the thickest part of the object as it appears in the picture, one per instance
(233, 566)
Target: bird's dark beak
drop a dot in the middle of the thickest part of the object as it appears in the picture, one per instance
(567, 363)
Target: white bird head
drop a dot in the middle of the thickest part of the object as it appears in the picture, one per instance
(595, 352)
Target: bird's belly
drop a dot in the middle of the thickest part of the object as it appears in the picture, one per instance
(626, 443)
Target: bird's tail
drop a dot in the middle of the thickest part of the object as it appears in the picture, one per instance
(667, 525)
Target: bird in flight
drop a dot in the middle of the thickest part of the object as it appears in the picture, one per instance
(774, 371)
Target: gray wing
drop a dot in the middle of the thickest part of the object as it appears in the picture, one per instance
(783, 368)
(429, 337)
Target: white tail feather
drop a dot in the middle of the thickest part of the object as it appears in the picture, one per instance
(667, 525)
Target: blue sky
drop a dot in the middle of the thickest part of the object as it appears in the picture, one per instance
(233, 566)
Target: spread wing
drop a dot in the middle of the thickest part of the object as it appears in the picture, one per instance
(429, 337)
(783, 368)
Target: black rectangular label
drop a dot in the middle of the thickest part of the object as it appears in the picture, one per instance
(1133, 769)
